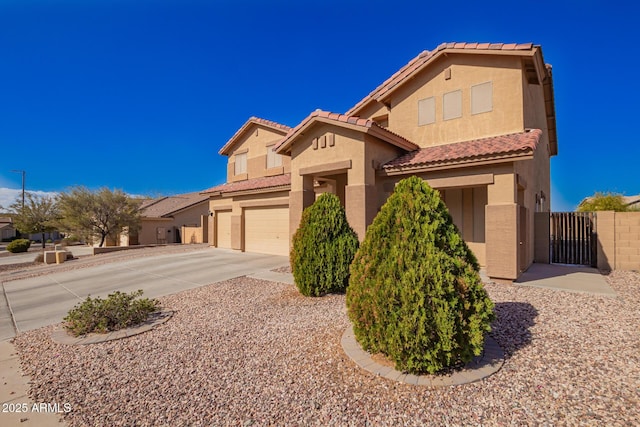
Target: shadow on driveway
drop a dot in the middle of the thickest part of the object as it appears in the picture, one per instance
(568, 278)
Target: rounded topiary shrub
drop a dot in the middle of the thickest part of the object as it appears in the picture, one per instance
(415, 294)
(19, 245)
(323, 247)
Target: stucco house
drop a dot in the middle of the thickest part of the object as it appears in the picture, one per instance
(476, 120)
(175, 219)
(7, 230)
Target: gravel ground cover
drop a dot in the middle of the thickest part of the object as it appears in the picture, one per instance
(249, 352)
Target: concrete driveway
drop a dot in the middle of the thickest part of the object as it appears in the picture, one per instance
(45, 300)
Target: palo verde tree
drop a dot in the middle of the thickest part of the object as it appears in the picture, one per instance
(38, 215)
(323, 248)
(103, 213)
(415, 293)
(605, 202)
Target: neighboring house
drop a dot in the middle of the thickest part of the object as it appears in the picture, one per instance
(632, 201)
(476, 121)
(176, 219)
(7, 231)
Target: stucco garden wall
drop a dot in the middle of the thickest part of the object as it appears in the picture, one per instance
(618, 240)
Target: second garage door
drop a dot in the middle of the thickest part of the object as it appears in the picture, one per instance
(266, 230)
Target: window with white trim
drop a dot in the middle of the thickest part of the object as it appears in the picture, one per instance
(240, 163)
(274, 160)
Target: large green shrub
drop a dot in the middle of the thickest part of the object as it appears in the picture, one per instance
(19, 245)
(415, 294)
(323, 248)
(118, 311)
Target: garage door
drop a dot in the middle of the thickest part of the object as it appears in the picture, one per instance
(266, 230)
(223, 229)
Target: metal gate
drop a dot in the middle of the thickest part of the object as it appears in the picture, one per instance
(573, 238)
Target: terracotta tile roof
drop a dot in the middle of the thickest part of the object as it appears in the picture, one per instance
(365, 124)
(254, 120)
(166, 206)
(276, 181)
(502, 146)
(416, 63)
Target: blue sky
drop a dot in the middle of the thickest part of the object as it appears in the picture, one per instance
(140, 95)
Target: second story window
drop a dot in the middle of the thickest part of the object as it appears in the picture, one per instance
(240, 164)
(452, 105)
(426, 111)
(273, 160)
(482, 98)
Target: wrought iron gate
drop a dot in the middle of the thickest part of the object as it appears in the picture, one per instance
(573, 238)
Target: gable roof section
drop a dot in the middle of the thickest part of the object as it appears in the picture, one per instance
(167, 206)
(503, 147)
(361, 125)
(253, 121)
(267, 183)
(421, 61)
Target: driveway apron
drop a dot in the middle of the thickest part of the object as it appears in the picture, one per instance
(45, 300)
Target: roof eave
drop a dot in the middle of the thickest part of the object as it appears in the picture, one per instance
(254, 191)
(476, 161)
(374, 130)
(253, 121)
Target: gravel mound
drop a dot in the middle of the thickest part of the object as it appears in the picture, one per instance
(249, 352)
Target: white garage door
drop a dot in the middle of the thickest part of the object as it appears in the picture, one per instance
(223, 229)
(266, 230)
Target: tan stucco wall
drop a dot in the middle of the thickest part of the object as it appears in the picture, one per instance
(196, 233)
(148, 233)
(466, 70)
(349, 146)
(618, 240)
(255, 142)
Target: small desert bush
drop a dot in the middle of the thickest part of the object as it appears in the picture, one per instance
(19, 245)
(415, 293)
(117, 311)
(323, 248)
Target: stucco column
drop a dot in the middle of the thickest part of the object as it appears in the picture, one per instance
(237, 232)
(541, 239)
(299, 200)
(502, 243)
(361, 207)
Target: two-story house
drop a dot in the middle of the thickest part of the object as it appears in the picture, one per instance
(475, 120)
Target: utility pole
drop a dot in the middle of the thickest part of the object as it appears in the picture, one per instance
(23, 175)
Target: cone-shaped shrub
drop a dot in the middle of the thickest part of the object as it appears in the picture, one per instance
(415, 294)
(323, 248)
